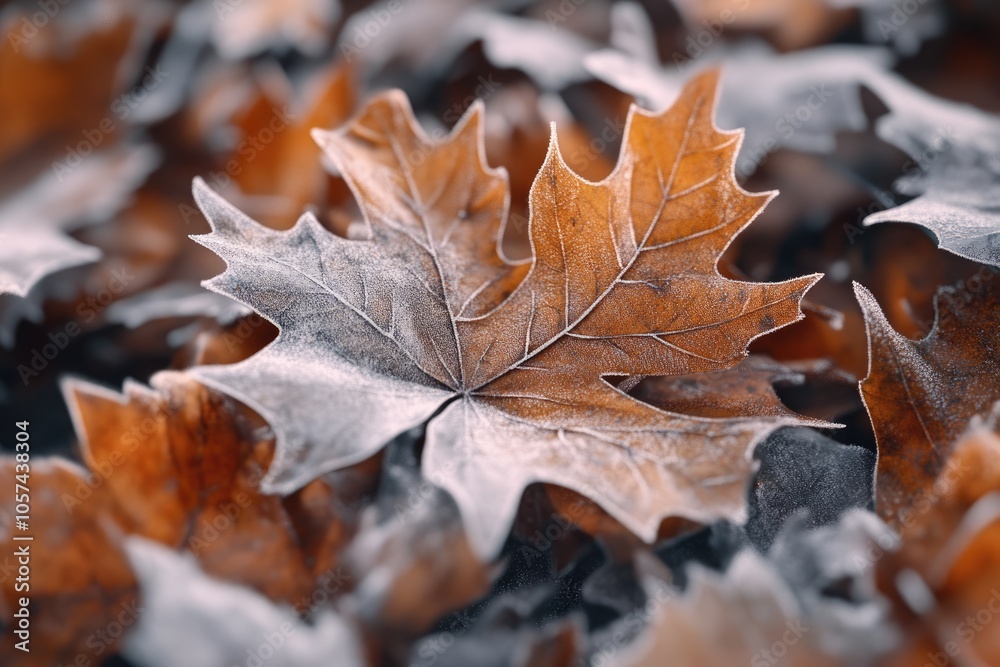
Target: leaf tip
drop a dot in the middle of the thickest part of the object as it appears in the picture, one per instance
(869, 305)
(811, 278)
(320, 136)
(82, 399)
(206, 199)
(223, 217)
(709, 78)
(474, 114)
(201, 190)
(553, 155)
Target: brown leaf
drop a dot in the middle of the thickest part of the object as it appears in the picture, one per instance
(280, 163)
(80, 580)
(178, 464)
(59, 82)
(921, 395)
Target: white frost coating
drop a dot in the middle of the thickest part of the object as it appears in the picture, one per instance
(188, 618)
(328, 410)
(797, 101)
(955, 168)
(633, 33)
(372, 340)
(425, 35)
(472, 452)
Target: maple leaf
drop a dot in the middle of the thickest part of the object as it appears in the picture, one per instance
(920, 395)
(953, 173)
(177, 464)
(427, 318)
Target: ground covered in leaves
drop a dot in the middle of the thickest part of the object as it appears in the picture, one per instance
(500, 333)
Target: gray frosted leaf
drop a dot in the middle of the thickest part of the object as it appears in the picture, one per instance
(34, 245)
(250, 27)
(553, 58)
(832, 570)
(33, 223)
(747, 615)
(187, 618)
(326, 382)
(633, 33)
(954, 170)
(504, 634)
(422, 36)
(803, 469)
(798, 100)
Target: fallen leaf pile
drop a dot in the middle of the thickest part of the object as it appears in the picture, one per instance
(494, 333)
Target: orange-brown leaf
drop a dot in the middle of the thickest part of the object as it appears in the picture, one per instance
(181, 465)
(922, 394)
(80, 581)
